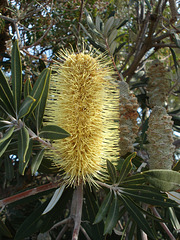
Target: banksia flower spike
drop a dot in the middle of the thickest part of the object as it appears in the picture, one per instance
(158, 84)
(128, 119)
(84, 101)
(160, 138)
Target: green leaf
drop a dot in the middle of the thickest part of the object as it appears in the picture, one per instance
(53, 132)
(23, 144)
(137, 215)
(126, 167)
(164, 180)
(112, 36)
(173, 219)
(112, 171)
(148, 196)
(4, 231)
(27, 87)
(39, 111)
(57, 195)
(104, 208)
(16, 69)
(107, 26)
(99, 24)
(148, 4)
(26, 106)
(9, 168)
(113, 216)
(7, 135)
(133, 180)
(36, 161)
(4, 145)
(39, 87)
(6, 93)
(23, 164)
(177, 166)
(89, 20)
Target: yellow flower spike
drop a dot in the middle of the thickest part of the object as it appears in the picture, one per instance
(84, 101)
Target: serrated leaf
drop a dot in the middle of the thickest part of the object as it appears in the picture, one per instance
(27, 88)
(112, 36)
(126, 167)
(23, 164)
(113, 216)
(26, 106)
(53, 132)
(137, 216)
(57, 195)
(39, 111)
(36, 161)
(104, 208)
(4, 231)
(6, 93)
(7, 135)
(112, 171)
(23, 143)
(16, 71)
(4, 145)
(39, 87)
(107, 26)
(165, 180)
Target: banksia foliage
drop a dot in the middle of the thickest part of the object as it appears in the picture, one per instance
(84, 101)
(128, 119)
(160, 138)
(158, 84)
(2, 25)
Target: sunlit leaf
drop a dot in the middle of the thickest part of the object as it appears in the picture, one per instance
(126, 167)
(104, 208)
(26, 106)
(6, 93)
(57, 195)
(16, 71)
(23, 143)
(165, 180)
(23, 164)
(27, 87)
(113, 216)
(36, 161)
(7, 135)
(53, 132)
(174, 219)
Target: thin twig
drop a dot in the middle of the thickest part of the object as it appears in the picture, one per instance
(85, 233)
(64, 221)
(60, 235)
(164, 226)
(77, 218)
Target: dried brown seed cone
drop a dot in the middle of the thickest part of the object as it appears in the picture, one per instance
(160, 138)
(158, 84)
(128, 119)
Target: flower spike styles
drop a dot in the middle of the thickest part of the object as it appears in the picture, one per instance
(83, 100)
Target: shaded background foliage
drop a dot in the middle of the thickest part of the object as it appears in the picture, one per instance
(135, 32)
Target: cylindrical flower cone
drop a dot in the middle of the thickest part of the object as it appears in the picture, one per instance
(84, 101)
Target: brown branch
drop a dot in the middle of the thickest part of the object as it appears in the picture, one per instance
(27, 193)
(161, 45)
(80, 16)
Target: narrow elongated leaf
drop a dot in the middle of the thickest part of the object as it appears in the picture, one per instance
(113, 216)
(27, 88)
(53, 132)
(112, 171)
(126, 167)
(23, 144)
(26, 106)
(89, 20)
(39, 86)
(7, 135)
(104, 208)
(137, 216)
(9, 168)
(4, 231)
(134, 179)
(23, 164)
(108, 25)
(39, 112)
(176, 64)
(37, 161)
(112, 36)
(173, 219)
(57, 195)
(6, 93)
(4, 145)
(99, 24)
(16, 70)
(165, 180)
